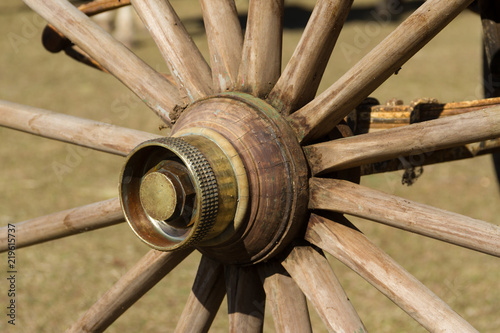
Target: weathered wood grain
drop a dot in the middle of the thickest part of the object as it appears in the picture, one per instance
(128, 289)
(83, 132)
(150, 86)
(320, 116)
(225, 41)
(275, 167)
(355, 250)
(186, 63)
(205, 298)
(260, 65)
(246, 299)
(65, 223)
(349, 198)
(300, 79)
(287, 302)
(412, 139)
(313, 274)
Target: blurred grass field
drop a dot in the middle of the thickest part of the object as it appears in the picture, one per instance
(58, 281)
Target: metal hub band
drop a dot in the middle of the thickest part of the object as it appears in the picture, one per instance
(178, 191)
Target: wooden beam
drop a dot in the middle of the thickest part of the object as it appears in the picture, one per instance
(315, 277)
(83, 132)
(355, 250)
(322, 114)
(287, 302)
(260, 65)
(66, 223)
(408, 140)
(205, 298)
(186, 63)
(150, 86)
(299, 81)
(349, 198)
(246, 299)
(225, 41)
(128, 289)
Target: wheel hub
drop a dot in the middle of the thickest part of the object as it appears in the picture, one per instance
(171, 193)
(231, 181)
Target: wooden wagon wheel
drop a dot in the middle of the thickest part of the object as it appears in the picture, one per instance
(251, 175)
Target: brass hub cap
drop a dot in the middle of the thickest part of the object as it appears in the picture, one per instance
(177, 191)
(231, 181)
(159, 196)
(167, 193)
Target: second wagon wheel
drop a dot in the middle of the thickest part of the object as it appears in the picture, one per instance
(251, 175)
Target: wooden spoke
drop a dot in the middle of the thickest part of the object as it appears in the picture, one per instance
(355, 250)
(404, 141)
(185, 61)
(99, 6)
(151, 87)
(131, 286)
(205, 298)
(83, 132)
(225, 41)
(246, 299)
(66, 223)
(288, 303)
(315, 277)
(300, 79)
(322, 114)
(260, 65)
(345, 197)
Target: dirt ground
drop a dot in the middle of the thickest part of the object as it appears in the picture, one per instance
(57, 281)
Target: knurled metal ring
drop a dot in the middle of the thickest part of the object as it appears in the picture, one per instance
(197, 216)
(205, 183)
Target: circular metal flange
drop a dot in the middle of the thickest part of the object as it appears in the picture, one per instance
(225, 231)
(170, 192)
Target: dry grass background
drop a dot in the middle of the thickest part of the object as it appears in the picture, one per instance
(57, 281)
